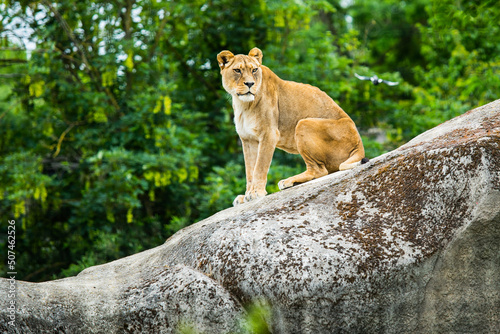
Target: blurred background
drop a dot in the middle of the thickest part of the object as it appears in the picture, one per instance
(115, 130)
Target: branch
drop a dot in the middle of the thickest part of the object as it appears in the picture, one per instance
(158, 35)
(68, 32)
(13, 61)
(126, 17)
(3, 114)
(61, 138)
(51, 266)
(12, 49)
(17, 49)
(82, 52)
(11, 75)
(199, 77)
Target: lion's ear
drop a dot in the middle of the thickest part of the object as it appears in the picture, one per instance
(256, 53)
(224, 57)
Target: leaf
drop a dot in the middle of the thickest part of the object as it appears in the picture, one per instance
(36, 194)
(193, 173)
(26, 80)
(99, 116)
(130, 216)
(129, 62)
(109, 215)
(182, 174)
(167, 104)
(36, 88)
(157, 107)
(19, 209)
(108, 78)
(279, 20)
(165, 179)
(157, 178)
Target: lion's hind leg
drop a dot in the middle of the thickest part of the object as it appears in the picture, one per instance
(311, 173)
(310, 144)
(353, 162)
(352, 146)
(326, 146)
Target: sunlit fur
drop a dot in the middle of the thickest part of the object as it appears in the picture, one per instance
(270, 112)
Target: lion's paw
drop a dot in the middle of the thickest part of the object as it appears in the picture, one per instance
(283, 184)
(240, 199)
(254, 194)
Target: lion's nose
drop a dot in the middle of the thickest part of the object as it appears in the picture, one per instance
(249, 84)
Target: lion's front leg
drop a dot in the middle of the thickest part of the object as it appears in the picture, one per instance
(258, 156)
(250, 150)
(262, 153)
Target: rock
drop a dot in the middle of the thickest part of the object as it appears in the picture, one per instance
(407, 243)
(159, 300)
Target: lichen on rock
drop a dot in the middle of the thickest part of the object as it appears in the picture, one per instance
(407, 243)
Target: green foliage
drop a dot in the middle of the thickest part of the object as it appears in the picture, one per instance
(258, 313)
(115, 131)
(254, 321)
(461, 48)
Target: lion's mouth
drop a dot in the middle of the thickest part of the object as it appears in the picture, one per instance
(247, 97)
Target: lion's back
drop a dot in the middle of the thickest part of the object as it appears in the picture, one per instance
(307, 101)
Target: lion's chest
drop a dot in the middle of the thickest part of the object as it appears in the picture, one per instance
(246, 124)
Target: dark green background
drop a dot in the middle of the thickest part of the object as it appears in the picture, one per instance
(115, 131)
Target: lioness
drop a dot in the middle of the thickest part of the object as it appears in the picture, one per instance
(270, 112)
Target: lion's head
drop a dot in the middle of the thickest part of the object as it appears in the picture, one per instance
(241, 75)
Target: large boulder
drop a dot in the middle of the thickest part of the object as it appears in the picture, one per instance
(407, 243)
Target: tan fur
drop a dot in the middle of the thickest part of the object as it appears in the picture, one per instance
(270, 112)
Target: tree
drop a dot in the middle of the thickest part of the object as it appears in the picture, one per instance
(111, 151)
(461, 46)
(115, 132)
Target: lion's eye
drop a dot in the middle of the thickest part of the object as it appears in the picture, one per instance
(255, 70)
(237, 70)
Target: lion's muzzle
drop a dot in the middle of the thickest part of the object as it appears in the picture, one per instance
(247, 97)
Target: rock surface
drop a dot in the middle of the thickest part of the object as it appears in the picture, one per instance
(124, 301)
(408, 243)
